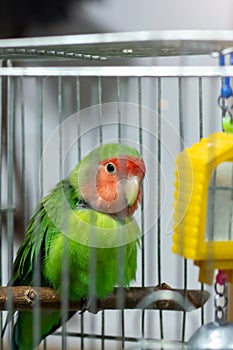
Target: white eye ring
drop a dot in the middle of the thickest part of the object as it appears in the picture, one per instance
(110, 168)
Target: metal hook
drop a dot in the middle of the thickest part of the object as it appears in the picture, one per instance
(222, 105)
(226, 109)
(159, 295)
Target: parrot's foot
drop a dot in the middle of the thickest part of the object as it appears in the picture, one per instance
(89, 304)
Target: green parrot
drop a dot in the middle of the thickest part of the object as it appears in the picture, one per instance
(87, 214)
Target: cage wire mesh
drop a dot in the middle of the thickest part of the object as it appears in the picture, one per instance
(63, 96)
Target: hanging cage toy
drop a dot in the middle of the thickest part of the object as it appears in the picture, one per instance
(195, 166)
(202, 210)
(199, 215)
(203, 218)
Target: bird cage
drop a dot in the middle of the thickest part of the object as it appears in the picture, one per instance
(61, 97)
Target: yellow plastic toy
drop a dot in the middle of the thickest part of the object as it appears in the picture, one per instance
(203, 206)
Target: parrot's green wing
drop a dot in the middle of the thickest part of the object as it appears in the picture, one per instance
(28, 251)
(40, 229)
(30, 255)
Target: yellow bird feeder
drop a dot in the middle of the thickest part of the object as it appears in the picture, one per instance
(203, 207)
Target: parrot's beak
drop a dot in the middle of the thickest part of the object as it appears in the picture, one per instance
(131, 188)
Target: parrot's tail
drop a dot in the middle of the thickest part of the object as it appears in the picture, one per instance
(26, 333)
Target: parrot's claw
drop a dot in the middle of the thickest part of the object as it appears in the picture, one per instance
(89, 304)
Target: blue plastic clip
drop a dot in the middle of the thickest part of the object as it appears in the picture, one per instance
(226, 90)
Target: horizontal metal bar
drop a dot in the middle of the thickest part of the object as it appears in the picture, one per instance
(158, 42)
(148, 343)
(221, 188)
(6, 210)
(135, 71)
(103, 38)
(97, 336)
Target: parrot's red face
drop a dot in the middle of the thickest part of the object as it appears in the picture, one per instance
(118, 185)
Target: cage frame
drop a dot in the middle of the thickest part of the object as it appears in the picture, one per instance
(83, 49)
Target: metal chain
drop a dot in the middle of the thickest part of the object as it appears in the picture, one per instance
(224, 100)
(220, 302)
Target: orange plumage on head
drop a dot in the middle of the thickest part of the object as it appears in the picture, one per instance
(112, 176)
(109, 179)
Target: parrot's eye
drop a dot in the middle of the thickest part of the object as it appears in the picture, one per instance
(110, 168)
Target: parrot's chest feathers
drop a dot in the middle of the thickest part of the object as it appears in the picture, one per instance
(105, 199)
(120, 216)
(80, 272)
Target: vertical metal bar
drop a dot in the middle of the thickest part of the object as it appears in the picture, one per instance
(65, 252)
(121, 255)
(159, 156)
(100, 111)
(229, 311)
(65, 289)
(159, 135)
(121, 251)
(119, 134)
(60, 118)
(78, 105)
(184, 313)
(141, 151)
(211, 207)
(181, 113)
(23, 150)
(10, 172)
(63, 279)
(1, 157)
(200, 89)
(37, 260)
(122, 327)
(41, 139)
(181, 132)
(100, 101)
(142, 202)
(93, 278)
(10, 183)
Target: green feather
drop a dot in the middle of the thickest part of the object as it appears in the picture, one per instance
(63, 227)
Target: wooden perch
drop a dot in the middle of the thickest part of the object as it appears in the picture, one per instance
(26, 298)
